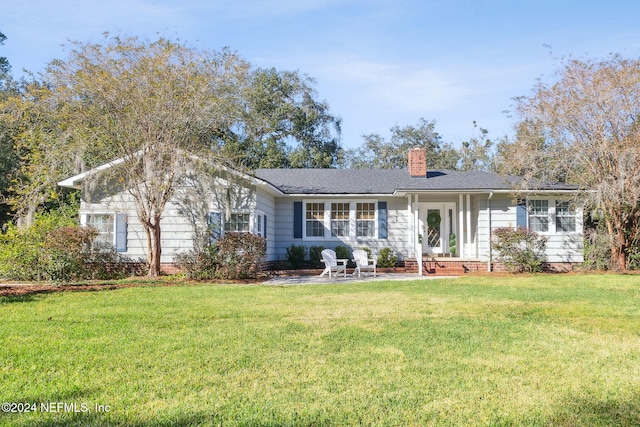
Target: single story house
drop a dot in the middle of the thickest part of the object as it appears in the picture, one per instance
(414, 211)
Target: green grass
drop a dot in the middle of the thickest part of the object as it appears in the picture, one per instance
(561, 350)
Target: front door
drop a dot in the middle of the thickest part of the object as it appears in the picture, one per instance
(437, 222)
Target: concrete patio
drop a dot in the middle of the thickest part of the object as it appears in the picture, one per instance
(317, 279)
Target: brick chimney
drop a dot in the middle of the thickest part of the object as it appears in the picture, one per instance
(417, 164)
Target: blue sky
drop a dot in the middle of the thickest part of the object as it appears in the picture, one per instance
(377, 63)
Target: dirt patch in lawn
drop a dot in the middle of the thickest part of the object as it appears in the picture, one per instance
(19, 289)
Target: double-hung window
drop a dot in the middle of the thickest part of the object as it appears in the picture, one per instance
(539, 215)
(111, 227)
(552, 215)
(565, 217)
(238, 222)
(365, 219)
(340, 219)
(105, 225)
(314, 219)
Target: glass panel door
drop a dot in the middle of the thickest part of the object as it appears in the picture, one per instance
(432, 236)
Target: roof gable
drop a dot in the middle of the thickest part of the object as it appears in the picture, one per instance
(76, 181)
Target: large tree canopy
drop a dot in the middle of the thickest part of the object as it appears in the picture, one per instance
(378, 153)
(585, 129)
(282, 125)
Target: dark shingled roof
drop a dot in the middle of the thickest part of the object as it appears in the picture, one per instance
(386, 181)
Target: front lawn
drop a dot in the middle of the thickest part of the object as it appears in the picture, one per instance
(529, 350)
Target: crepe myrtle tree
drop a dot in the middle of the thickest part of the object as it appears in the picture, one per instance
(584, 129)
(155, 106)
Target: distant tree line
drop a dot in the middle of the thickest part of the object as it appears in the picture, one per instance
(477, 153)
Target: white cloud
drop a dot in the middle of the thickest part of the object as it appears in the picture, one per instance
(401, 87)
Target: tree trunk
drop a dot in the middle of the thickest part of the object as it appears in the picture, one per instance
(618, 246)
(155, 248)
(621, 262)
(618, 258)
(27, 219)
(147, 231)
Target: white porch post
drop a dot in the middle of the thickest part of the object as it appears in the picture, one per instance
(461, 224)
(489, 232)
(468, 225)
(418, 244)
(410, 224)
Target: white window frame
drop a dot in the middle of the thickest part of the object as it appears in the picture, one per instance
(257, 224)
(327, 220)
(333, 221)
(257, 221)
(531, 215)
(552, 216)
(571, 213)
(374, 220)
(84, 221)
(250, 222)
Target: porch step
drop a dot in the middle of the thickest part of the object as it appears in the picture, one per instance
(446, 271)
(443, 267)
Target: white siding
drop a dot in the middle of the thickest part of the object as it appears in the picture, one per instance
(265, 203)
(561, 247)
(184, 216)
(283, 227)
(503, 214)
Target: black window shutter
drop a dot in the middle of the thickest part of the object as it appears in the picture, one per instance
(297, 220)
(383, 228)
(214, 225)
(264, 228)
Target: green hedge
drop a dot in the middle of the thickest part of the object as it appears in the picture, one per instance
(55, 248)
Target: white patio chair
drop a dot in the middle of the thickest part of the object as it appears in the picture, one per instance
(363, 262)
(333, 264)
